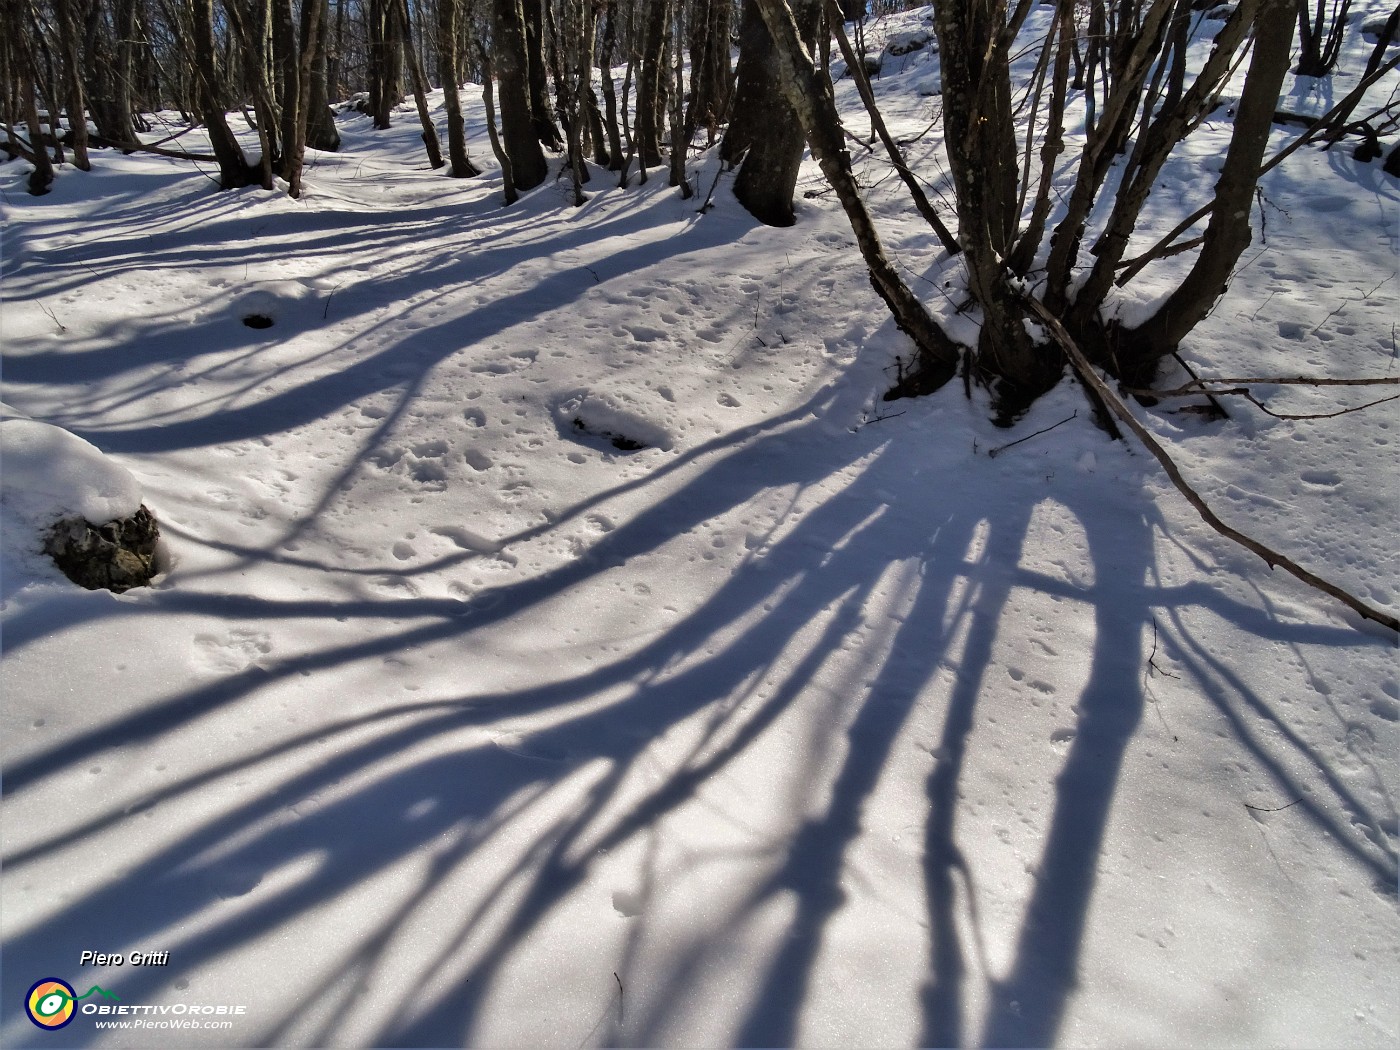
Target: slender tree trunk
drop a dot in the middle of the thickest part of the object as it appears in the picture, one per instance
(286, 60)
(629, 139)
(596, 134)
(41, 178)
(610, 119)
(1228, 233)
(649, 110)
(537, 75)
(575, 79)
(449, 69)
(710, 71)
(321, 132)
(386, 44)
(420, 86)
(75, 97)
(810, 95)
(107, 48)
(234, 170)
(125, 123)
(877, 125)
(1104, 142)
(680, 144)
(11, 112)
(1149, 155)
(311, 27)
(249, 21)
(488, 102)
(334, 88)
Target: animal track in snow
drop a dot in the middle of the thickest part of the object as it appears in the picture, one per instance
(1321, 478)
(1387, 709)
(466, 539)
(627, 903)
(646, 334)
(430, 449)
(477, 460)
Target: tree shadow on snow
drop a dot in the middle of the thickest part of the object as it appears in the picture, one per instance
(428, 845)
(450, 801)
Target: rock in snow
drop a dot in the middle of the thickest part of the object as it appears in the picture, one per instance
(61, 494)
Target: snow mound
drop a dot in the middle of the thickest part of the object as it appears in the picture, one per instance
(614, 417)
(50, 474)
(907, 43)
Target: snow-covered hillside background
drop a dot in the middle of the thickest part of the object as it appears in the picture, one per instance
(818, 720)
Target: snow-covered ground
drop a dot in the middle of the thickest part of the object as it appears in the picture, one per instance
(819, 720)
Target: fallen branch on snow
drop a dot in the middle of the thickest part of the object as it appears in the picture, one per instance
(1104, 394)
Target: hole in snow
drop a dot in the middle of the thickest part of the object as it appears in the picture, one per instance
(257, 321)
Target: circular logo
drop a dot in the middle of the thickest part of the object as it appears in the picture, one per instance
(49, 1003)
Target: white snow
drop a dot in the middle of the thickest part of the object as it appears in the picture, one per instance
(810, 724)
(48, 475)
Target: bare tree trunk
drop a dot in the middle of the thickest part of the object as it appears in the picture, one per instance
(488, 102)
(311, 27)
(449, 69)
(107, 51)
(286, 60)
(1062, 32)
(975, 40)
(234, 170)
(877, 124)
(765, 138)
(125, 51)
(249, 20)
(386, 60)
(1228, 233)
(710, 72)
(519, 139)
(334, 88)
(420, 86)
(41, 178)
(610, 120)
(811, 97)
(580, 130)
(321, 132)
(1320, 37)
(75, 101)
(11, 112)
(680, 142)
(1104, 141)
(596, 134)
(649, 110)
(537, 76)
(1154, 146)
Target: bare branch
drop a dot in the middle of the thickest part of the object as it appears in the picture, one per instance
(1271, 557)
(1198, 386)
(1132, 267)
(1248, 395)
(136, 147)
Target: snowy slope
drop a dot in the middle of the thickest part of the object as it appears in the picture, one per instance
(812, 722)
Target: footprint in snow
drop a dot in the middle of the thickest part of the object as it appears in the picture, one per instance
(627, 903)
(233, 651)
